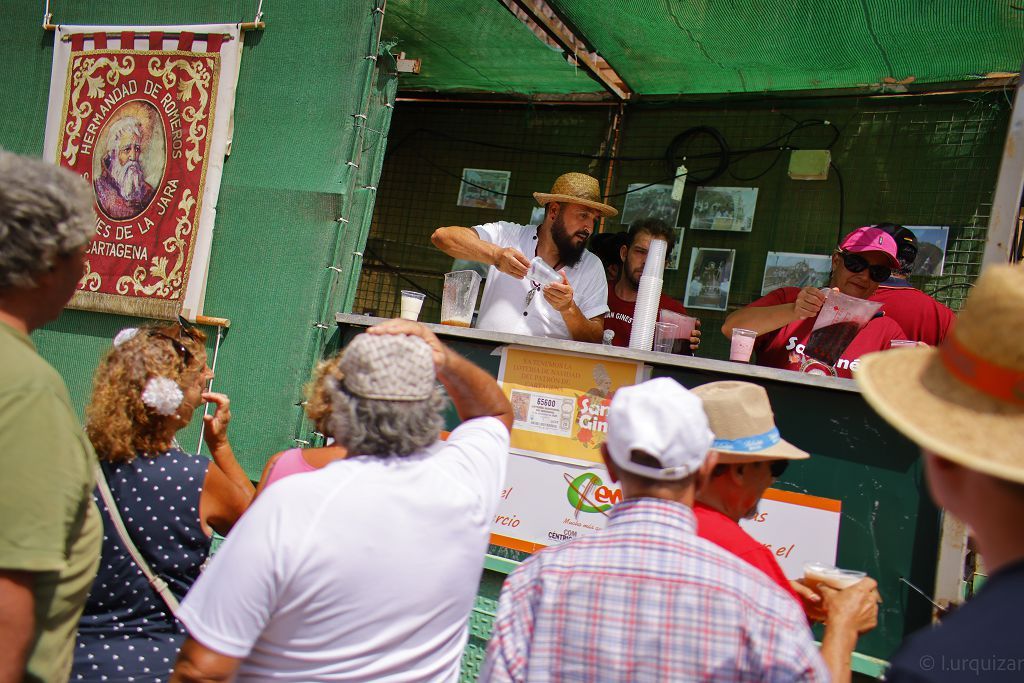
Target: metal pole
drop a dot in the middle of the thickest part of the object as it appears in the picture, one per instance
(1009, 186)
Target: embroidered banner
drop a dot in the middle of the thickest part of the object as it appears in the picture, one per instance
(138, 117)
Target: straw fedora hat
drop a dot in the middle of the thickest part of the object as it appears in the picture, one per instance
(741, 417)
(964, 400)
(576, 188)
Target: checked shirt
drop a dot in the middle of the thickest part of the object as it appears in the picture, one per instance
(647, 600)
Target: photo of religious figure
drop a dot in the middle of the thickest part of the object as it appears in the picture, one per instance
(483, 189)
(931, 248)
(787, 269)
(672, 261)
(130, 161)
(709, 277)
(650, 201)
(537, 215)
(724, 208)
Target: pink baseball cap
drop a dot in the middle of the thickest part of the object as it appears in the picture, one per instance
(869, 238)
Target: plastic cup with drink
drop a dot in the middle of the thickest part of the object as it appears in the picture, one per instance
(459, 298)
(817, 573)
(412, 302)
(742, 345)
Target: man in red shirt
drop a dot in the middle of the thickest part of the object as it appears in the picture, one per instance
(923, 318)
(751, 456)
(783, 319)
(623, 292)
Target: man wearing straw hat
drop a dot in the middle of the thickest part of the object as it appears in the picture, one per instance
(646, 598)
(751, 456)
(571, 309)
(963, 404)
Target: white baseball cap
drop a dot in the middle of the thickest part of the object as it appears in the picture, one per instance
(663, 420)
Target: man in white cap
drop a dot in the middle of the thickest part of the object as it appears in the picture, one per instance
(963, 403)
(571, 309)
(751, 456)
(646, 599)
(366, 569)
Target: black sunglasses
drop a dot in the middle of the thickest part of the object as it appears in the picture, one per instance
(186, 328)
(777, 467)
(855, 263)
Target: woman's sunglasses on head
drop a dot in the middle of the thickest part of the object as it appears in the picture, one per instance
(855, 263)
(184, 327)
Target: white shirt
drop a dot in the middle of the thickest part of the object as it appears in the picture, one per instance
(503, 306)
(365, 570)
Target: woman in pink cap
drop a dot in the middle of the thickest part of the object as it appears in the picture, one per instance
(783, 318)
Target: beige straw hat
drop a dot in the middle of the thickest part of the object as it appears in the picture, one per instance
(741, 417)
(576, 188)
(963, 401)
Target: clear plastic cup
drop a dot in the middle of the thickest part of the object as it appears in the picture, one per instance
(541, 273)
(459, 298)
(742, 345)
(899, 343)
(412, 302)
(665, 335)
(816, 573)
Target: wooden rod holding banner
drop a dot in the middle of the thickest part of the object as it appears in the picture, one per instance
(245, 26)
(211, 321)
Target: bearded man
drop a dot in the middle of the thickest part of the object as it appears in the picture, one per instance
(571, 309)
(121, 188)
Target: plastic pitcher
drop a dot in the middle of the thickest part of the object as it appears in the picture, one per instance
(459, 298)
(840, 319)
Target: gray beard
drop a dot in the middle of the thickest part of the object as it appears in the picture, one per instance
(130, 179)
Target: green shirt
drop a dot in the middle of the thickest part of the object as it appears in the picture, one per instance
(50, 525)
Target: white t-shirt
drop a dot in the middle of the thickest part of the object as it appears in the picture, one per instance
(503, 308)
(365, 570)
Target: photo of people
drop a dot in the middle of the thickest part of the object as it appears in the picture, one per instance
(672, 262)
(483, 189)
(709, 277)
(130, 162)
(724, 208)
(654, 201)
(931, 248)
(787, 269)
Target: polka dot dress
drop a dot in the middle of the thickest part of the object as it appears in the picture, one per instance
(126, 632)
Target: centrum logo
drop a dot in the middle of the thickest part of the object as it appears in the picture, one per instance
(588, 493)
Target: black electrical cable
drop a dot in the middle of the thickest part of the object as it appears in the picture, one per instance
(679, 143)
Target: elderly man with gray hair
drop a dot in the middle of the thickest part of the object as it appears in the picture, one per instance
(51, 531)
(366, 569)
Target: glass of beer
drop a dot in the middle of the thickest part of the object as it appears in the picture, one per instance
(459, 298)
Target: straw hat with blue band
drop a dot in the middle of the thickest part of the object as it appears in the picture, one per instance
(964, 400)
(741, 417)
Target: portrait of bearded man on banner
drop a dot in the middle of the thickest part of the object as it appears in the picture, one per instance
(122, 189)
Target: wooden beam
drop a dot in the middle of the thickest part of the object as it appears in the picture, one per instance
(544, 18)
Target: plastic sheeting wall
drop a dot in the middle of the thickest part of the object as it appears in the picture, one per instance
(284, 186)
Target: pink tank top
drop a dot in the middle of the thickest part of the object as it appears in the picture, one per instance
(291, 462)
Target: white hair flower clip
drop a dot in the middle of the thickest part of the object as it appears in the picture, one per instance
(127, 334)
(163, 395)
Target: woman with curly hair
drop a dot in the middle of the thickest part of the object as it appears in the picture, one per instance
(145, 390)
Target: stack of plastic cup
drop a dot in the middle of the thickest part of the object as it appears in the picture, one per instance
(645, 313)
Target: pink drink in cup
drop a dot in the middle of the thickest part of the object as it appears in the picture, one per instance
(742, 345)
(686, 326)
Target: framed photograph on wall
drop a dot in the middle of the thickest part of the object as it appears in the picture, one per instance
(482, 188)
(724, 208)
(709, 278)
(537, 215)
(788, 269)
(672, 260)
(654, 201)
(931, 248)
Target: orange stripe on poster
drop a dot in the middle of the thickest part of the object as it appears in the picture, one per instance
(515, 543)
(794, 498)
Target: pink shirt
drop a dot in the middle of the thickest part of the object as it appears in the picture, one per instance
(291, 462)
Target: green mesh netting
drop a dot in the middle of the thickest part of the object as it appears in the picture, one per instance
(478, 45)
(670, 47)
